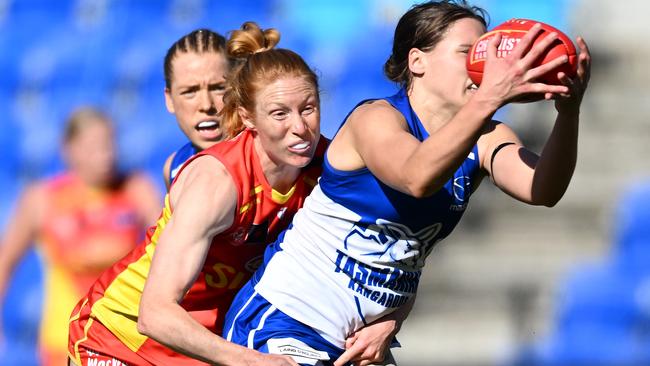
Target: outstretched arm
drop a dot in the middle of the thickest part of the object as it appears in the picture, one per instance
(542, 180)
(204, 200)
(376, 136)
(21, 230)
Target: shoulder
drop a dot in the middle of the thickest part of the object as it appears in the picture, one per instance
(204, 188)
(203, 173)
(37, 191)
(376, 116)
(34, 199)
(374, 109)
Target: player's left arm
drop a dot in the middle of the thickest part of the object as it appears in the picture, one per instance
(543, 179)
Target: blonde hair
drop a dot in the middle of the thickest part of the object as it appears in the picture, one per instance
(259, 63)
(81, 118)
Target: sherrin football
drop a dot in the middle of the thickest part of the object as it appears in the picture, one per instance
(512, 32)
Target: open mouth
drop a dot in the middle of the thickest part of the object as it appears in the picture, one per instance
(209, 129)
(472, 87)
(300, 147)
(207, 125)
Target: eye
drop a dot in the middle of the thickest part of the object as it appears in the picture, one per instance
(188, 93)
(217, 88)
(308, 110)
(279, 114)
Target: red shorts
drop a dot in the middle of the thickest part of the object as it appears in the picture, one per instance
(90, 341)
(87, 334)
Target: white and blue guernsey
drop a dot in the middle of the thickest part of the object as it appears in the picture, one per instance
(180, 157)
(353, 254)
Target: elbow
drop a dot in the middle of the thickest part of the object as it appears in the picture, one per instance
(144, 321)
(422, 189)
(417, 187)
(418, 190)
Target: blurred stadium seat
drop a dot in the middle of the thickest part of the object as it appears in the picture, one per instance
(603, 310)
(22, 314)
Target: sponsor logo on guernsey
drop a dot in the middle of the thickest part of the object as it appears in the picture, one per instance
(298, 350)
(370, 283)
(95, 359)
(460, 189)
(239, 236)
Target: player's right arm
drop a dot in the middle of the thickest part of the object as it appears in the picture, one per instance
(204, 200)
(20, 233)
(377, 137)
(167, 169)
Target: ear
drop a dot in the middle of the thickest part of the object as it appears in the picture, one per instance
(168, 101)
(246, 118)
(417, 62)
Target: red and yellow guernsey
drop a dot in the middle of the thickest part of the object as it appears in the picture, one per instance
(105, 321)
(85, 231)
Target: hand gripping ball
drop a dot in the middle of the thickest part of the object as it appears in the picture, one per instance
(512, 32)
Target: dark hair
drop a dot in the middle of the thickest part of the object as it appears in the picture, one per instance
(259, 64)
(422, 27)
(198, 41)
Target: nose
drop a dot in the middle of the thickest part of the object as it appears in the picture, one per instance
(299, 125)
(207, 104)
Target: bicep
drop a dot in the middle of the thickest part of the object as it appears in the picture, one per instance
(203, 200)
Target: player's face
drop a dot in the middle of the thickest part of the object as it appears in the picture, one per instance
(195, 95)
(445, 73)
(91, 153)
(287, 121)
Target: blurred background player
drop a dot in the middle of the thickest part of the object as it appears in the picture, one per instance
(227, 203)
(398, 177)
(83, 220)
(195, 70)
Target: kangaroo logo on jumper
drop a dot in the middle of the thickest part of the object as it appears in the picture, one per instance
(396, 241)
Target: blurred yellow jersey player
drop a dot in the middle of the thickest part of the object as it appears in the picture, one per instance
(83, 220)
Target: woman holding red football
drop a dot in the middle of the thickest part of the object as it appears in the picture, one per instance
(396, 180)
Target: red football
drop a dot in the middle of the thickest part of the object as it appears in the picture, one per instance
(512, 31)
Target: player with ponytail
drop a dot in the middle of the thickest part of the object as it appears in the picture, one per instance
(225, 205)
